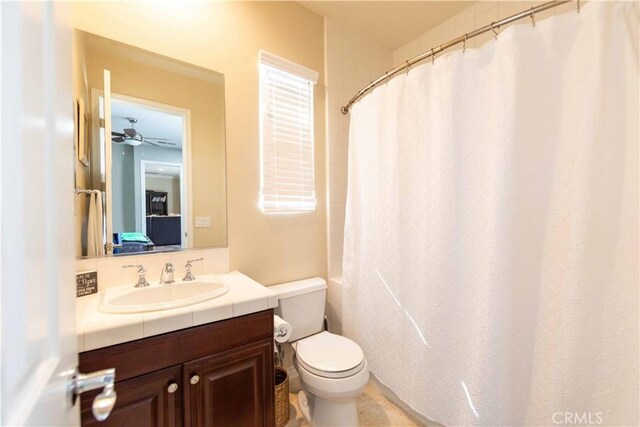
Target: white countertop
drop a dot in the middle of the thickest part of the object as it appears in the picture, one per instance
(97, 329)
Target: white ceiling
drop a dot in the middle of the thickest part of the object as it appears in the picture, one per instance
(390, 24)
(151, 122)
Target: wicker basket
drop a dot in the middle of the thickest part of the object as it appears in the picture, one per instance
(282, 397)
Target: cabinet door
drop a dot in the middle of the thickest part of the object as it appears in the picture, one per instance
(232, 388)
(147, 400)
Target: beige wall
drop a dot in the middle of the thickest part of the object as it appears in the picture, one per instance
(226, 37)
(169, 185)
(81, 172)
(205, 101)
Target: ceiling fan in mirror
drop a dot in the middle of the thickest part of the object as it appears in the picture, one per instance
(130, 136)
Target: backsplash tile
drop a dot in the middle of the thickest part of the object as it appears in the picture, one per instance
(334, 317)
(334, 291)
(111, 272)
(87, 264)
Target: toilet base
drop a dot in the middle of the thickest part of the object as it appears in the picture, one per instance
(321, 412)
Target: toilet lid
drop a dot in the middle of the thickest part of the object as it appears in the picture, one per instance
(327, 354)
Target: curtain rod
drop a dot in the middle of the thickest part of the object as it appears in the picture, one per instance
(462, 39)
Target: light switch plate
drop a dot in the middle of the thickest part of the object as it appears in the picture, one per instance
(203, 221)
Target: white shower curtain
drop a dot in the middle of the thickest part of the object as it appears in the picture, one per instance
(491, 237)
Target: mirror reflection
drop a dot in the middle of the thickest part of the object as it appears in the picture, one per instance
(155, 155)
(149, 205)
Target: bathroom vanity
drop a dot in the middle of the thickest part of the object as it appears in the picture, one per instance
(211, 373)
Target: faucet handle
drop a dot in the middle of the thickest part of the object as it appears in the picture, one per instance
(140, 267)
(189, 263)
(142, 281)
(188, 276)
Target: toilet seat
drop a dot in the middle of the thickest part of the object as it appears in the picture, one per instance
(330, 356)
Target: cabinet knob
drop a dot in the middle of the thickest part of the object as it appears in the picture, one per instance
(194, 379)
(173, 387)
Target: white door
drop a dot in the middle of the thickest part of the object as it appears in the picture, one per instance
(105, 121)
(37, 292)
(36, 198)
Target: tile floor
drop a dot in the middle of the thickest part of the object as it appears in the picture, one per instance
(374, 410)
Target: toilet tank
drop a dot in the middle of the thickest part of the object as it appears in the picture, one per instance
(301, 304)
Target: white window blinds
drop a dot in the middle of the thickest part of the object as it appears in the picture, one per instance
(286, 135)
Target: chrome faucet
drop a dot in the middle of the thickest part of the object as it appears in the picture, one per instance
(142, 282)
(168, 270)
(188, 275)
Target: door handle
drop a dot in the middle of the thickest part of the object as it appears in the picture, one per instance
(104, 402)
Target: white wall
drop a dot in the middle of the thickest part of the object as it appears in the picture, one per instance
(475, 16)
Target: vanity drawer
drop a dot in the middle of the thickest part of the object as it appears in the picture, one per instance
(139, 357)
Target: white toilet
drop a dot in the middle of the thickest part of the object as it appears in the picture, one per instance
(333, 370)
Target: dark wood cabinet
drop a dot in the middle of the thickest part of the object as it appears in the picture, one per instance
(223, 375)
(230, 388)
(143, 401)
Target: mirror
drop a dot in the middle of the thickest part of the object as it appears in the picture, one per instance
(150, 144)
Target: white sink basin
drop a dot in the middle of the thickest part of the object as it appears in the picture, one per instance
(128, 299)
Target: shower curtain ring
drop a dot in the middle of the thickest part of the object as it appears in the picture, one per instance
(464, 43)
(494, 31)
(408, 66)
(387, 77)
(578, 6)
(433, 57)
(533, 18)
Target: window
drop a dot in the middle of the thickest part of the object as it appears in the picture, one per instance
(286, 135)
